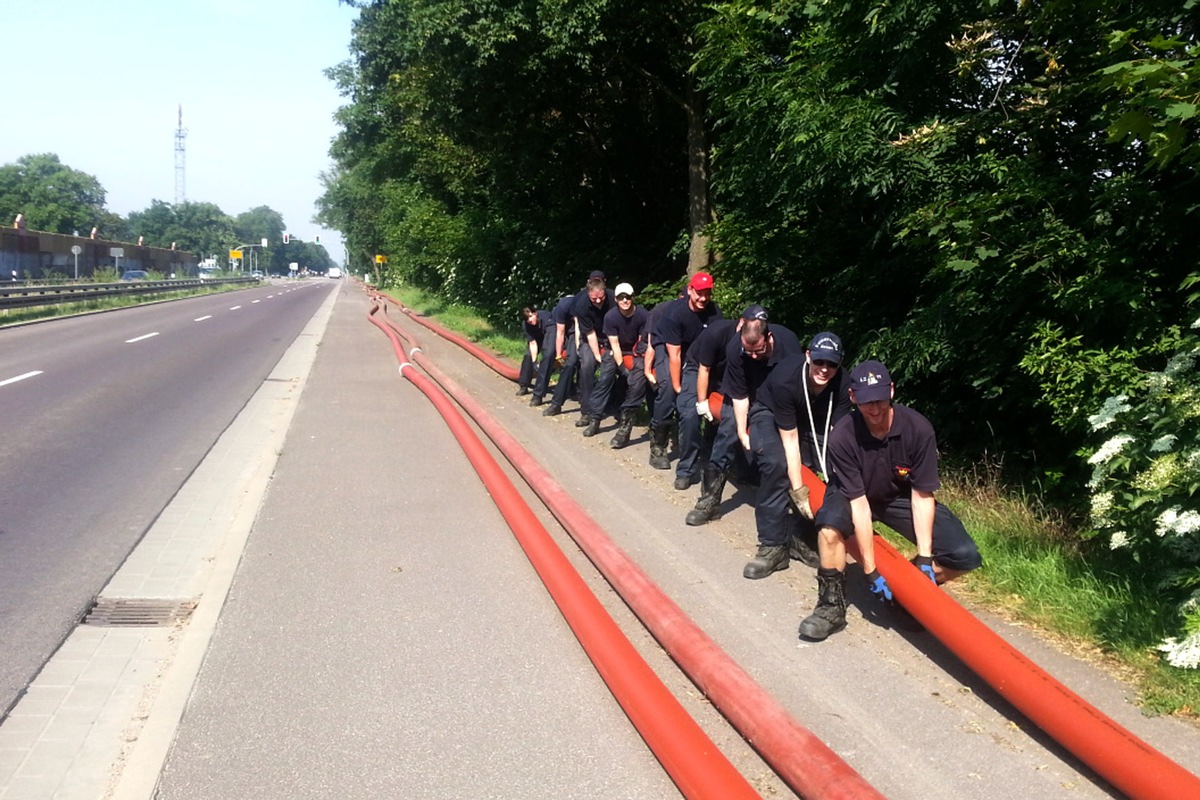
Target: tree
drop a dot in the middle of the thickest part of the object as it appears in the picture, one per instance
(52, 196)
(200, 228)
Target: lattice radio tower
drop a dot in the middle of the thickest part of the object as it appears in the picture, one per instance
(180, 161)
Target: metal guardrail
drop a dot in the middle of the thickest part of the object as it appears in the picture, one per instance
(30, 295)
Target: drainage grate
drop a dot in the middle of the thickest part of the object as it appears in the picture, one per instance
(137, 612)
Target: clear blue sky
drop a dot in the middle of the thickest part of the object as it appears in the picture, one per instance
(99, 84)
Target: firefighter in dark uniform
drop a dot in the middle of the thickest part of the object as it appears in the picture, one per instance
(539, 346)
(884, 461)
(622, 377)
(707, 354)
(789, 422)
(680, 324)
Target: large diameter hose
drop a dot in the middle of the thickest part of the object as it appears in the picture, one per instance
(1111, 750)
(695, 764)
(1116, 754)
(802, 761)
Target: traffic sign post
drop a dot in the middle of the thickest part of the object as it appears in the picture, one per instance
(75, 251)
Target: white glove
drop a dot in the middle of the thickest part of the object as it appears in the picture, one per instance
(703, 410)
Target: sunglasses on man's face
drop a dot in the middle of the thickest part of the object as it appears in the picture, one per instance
(624, 297)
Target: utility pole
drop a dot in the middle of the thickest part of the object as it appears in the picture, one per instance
(180, 161)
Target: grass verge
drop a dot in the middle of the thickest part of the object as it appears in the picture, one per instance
(19, 315)
(1035, 571)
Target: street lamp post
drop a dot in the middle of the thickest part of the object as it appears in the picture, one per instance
(250, 247)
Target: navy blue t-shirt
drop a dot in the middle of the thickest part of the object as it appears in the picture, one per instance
(628, 330)
(709, 350)
(537, 332)
(743, 374)
(564, 313)
(784, 389)
(591, 317)
(680, 325)
(884, 469)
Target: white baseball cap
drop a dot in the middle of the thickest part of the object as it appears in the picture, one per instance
(623, 288)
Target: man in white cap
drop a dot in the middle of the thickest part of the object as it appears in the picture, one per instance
(622, 377)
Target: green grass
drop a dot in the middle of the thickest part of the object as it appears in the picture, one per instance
(464, 320)
(1036, 568)
(19, 315)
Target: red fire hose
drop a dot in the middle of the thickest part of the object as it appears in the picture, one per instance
(800, 759)
(1115, 753)
(694, 763)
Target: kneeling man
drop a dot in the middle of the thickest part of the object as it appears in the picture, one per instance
(883, 457)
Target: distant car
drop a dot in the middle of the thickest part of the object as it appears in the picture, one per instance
(256, 274)
(334, 272)
(135, 275)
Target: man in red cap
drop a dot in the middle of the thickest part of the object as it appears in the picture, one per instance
(679, 325)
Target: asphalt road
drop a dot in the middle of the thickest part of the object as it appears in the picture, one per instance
(384, 636)
(104, 417)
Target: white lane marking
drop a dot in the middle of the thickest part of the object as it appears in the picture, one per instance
(201, 319)
(21, 377)
(255, 301)
(234, 308)
(140, 338)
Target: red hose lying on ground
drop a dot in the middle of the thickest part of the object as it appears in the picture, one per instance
(502, 368)
(1112, 751)
(694, 763)
(800, 759)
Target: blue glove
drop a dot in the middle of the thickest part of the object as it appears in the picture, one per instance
(879, 586)
(925, 564)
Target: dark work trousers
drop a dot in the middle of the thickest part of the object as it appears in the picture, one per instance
(587, 377)
(635, 387)
(545, 365)
(690, 440)
(766, 453)
(616, 390)
(726, 445)
(664, 395)
(567, 373)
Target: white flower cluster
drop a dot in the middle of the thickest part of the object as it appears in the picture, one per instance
(1101, 504)
(1118, 540)
(1110, 449)
(1108, 412)
(1185, 654)
(1178, 523)
(1163, 443)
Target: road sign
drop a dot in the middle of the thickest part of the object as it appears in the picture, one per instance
(76, 249)
(235, 254)
(116, 252)
(380, 259)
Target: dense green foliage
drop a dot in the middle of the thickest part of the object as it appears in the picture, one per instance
(53, 197)
(997, 199)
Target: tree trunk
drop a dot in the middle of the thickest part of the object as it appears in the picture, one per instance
(700, 213)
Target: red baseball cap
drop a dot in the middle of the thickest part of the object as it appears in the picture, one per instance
(701, 281)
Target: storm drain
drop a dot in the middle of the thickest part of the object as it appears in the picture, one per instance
(137, 612)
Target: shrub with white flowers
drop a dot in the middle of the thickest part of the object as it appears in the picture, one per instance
(1145, 485)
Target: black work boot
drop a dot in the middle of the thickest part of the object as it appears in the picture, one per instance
(830, 614)
(658, 447)
(552, 410)
(583, 421)
(712, 486)
(522, 391)
(770, 558)
(535, 401)
(593, 426)
(621, 437)
(802, 551)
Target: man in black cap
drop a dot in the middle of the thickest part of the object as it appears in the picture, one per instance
(884, 462)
